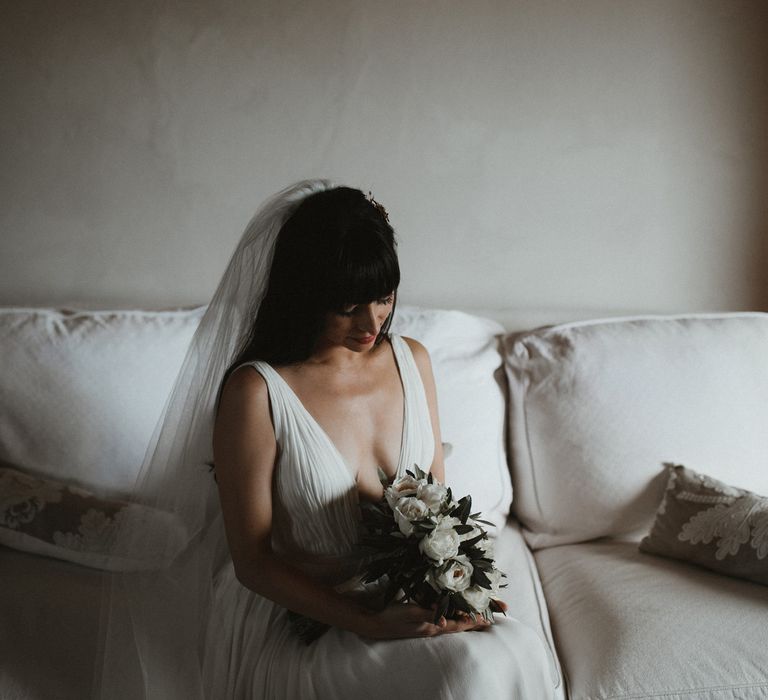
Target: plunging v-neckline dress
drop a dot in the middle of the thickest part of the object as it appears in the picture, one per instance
(250, 650)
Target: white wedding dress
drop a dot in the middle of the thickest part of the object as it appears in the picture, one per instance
(251, 652)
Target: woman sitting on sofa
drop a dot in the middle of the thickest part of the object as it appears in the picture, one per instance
(316, 396)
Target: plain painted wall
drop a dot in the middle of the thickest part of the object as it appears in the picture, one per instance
(594, 154)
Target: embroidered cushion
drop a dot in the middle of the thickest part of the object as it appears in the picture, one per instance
(46, 517)
(704, 521)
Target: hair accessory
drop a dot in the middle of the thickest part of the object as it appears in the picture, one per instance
(379, 207)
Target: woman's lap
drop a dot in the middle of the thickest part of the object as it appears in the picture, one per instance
(252, 653)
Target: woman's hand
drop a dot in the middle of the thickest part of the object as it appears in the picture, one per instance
(399, 620)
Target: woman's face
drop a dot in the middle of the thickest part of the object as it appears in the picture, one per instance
(356, 326)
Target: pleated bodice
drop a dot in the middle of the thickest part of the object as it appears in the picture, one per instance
(315, 502)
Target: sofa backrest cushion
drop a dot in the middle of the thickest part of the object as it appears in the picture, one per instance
(82, 391)
(597, 408)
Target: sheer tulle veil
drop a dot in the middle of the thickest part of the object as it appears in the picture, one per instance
(153, 621)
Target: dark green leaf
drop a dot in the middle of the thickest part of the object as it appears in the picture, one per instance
(307, 629)
(484, 522)
(479, 577)
(495, 607)
(463, 529)
(383, 478)
(460, 604)
(472, 541)
(482, 564)
(461, 511)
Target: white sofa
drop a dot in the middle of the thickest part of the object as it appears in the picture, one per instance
(581, 415)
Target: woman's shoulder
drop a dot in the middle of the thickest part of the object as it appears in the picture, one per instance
(419, 352)
(244, 405)
(245, 385)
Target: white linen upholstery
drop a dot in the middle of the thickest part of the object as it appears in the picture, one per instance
(467, 365)
(632, 625)
(597, 407)
(82, 391)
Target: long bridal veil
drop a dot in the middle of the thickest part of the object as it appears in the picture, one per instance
(153, 620)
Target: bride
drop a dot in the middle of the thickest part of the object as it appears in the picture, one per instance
(296, 383)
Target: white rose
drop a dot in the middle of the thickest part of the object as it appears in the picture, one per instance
(408, 509)
(433, 495)
(456, 575)
(477, 598)
(402, 486)
(443, 542)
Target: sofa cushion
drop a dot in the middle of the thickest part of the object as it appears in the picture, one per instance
(629, 625)
(597, 407)
(706, 522)
(467, 364)
(82, 391)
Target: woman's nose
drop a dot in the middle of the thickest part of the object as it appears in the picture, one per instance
(368, 321)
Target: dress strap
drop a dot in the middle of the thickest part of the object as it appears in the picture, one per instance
(276, 390)
(418, 439)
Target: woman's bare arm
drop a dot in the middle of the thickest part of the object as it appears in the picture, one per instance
(421, 356)
(245, 449)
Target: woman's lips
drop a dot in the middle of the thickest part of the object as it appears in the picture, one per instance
(366, 340)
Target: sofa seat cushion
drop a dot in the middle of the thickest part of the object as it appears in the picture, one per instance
(49, 624)
(633, 625)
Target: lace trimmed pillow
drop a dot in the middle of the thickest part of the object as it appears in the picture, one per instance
(46, 517)
(706, 522)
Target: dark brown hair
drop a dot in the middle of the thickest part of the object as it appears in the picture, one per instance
(337, 248)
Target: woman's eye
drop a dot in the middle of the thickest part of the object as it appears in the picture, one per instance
(386, 300)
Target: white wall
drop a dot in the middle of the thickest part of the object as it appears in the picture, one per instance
(598, 154)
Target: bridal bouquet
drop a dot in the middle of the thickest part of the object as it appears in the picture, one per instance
(430, 549)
